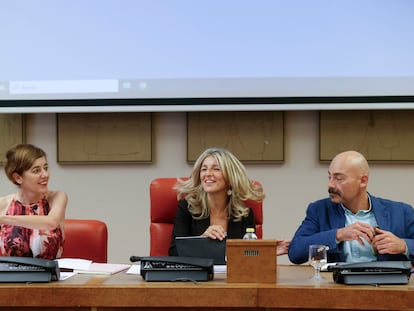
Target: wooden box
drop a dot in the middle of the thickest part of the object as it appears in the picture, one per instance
(251, 261)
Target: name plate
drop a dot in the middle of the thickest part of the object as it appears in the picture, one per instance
(251, 261)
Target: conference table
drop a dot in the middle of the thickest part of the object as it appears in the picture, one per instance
(121, 291)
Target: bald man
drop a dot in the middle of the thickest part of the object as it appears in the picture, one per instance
(357, 226)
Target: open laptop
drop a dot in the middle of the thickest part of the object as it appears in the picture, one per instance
(203, 247)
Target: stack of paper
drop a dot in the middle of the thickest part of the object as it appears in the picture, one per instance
(104, 268)
(74, 263)
(87, 266)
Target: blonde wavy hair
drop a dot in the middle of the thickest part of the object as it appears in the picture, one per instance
(235, 175)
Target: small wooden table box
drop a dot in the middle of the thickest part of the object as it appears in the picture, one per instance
(251, 261)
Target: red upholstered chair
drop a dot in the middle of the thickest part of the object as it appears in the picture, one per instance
(163, 206)
(86, 239)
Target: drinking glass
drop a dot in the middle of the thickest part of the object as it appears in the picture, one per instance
(317, 258)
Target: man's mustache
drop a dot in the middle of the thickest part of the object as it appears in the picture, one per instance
(333, 191)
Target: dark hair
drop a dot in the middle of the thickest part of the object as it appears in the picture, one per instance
(21, 158)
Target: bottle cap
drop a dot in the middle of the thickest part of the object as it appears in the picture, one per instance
(249, 230)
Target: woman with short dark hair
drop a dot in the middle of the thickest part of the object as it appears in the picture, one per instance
(31, 219)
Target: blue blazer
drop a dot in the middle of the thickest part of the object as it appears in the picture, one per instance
(324, 217)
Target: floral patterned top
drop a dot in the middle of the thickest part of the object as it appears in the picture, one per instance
(27, 242)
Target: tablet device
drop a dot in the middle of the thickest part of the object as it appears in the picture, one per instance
(202, 247)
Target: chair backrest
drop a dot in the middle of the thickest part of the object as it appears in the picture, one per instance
(86, 239)
(163, 201)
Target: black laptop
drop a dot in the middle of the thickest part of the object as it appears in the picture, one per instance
(202, 247)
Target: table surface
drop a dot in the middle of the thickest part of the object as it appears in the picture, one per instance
(293, 290)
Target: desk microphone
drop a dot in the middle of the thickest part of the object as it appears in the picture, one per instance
(134, 258)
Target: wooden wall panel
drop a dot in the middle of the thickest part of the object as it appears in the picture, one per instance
(104, 137)
(251, 135)
(12, 132)
(380, 135)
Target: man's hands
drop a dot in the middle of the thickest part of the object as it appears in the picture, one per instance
(282, 247)
(383, 241)
(358, 231)
(387, 243)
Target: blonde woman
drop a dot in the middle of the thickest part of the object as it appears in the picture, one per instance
(211, 201)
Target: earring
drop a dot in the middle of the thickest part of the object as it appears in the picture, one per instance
(229, 192)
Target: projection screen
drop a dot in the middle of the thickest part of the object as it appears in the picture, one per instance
(171, 55)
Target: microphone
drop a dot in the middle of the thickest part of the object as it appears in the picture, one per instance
(134, 258)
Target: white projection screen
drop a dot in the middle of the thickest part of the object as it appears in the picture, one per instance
(169, 55)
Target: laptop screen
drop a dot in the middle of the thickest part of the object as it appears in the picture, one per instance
(202, 247)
